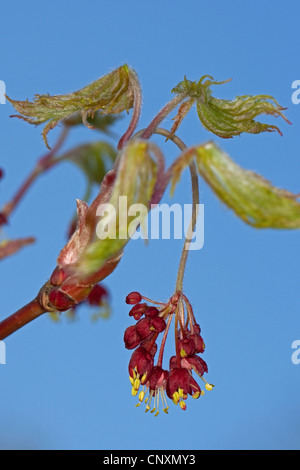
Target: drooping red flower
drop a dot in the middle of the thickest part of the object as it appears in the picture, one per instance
(157, 386)
(195, 363)
(198, 342)
(97, 295)
(140, 365)
(179, 385)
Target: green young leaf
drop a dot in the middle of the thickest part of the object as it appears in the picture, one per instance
(94, 159)
(136, 178)
(111, 94)
(226, 118)
(255, 200)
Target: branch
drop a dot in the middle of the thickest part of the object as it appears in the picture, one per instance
(20, 318)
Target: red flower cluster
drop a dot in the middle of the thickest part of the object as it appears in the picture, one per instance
(177, 382)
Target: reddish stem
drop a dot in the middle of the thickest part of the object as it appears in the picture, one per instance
(178, 359)
(163, 342)
(136, 111)
(152, 301)
(20, 318)
(163, 113)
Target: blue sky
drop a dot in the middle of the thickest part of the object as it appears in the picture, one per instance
(65, 386)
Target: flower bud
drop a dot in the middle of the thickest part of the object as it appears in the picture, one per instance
(138, 311)
(131, 337)
(158, 324)
(143, 327)
(133, 298)
(151, 312)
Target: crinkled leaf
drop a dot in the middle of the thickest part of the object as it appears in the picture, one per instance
(255, 200)
(226, 118)
(110, 94)
(135, 179)
(10, 247)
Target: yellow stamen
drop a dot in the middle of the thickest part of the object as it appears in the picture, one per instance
(182, 405)
(180, 392)
(196, 395)
(147, 408)
(152, 411)
(202, 393)
(183, 353)
(209, 387)
(143, 379)
(176, 397)
(141, 395)
(137, 384)
(156, 414)
(164, 400)
(133, 392)
(131, 380)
